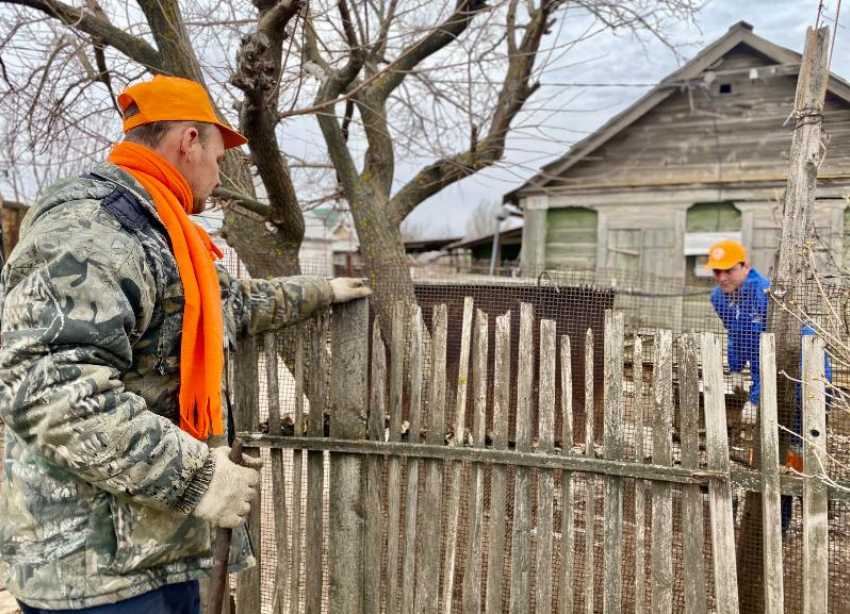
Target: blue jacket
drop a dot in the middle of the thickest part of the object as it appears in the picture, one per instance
(744, 315)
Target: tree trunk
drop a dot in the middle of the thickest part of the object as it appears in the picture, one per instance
(264, 253)
(382, 248)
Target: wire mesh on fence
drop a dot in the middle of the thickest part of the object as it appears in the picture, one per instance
(577, 301)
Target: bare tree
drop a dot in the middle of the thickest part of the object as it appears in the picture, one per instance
(392, 83)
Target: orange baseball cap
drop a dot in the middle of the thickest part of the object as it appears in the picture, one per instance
(725, 254)
(174, 99)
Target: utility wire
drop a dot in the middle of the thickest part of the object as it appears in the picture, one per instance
(834, 36)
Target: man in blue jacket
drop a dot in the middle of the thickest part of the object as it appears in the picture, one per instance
(740, 300)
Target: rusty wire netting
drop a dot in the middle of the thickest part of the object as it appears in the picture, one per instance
(577, 302)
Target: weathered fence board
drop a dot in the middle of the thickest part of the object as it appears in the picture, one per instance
(315, 529)
(590, 484)
(815, 519)
(774, 590)
(694, 572)
(521, 534)
(347, 421)
(428, 573)
(508, 458)
(662, 501)
(499, 474)
(413, 433)
(297, 477)
(640, 485)
(397, 373)
(281, 529)
(565, 592)
(472, 577)
(720, 492)
(613, 502)
(373, 533)
(455, 501)
(247, 414)
(545, 477)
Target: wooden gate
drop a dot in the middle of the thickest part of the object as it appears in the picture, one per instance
(408, 511)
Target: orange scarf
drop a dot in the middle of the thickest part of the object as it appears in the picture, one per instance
(201, 353)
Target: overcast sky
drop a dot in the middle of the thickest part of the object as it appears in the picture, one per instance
(621, 58)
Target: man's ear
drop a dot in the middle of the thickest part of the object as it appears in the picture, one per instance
(190, 138)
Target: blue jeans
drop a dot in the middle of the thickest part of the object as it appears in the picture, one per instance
(183, 598)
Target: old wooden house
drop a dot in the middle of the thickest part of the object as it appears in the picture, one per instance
(702, 156)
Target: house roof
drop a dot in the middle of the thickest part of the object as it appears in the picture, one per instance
(739, 34)
(512, 236)
(418, 246)
(13, 205)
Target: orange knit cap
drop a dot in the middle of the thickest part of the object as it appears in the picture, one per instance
(174, 99)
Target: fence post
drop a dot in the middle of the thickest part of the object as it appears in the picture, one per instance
(815, 517)
(348, 421)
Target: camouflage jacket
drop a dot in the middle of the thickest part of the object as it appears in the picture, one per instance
(99, 482)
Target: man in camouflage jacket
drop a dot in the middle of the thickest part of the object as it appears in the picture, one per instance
(100, 484)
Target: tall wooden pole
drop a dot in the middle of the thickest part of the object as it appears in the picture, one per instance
(807, 150)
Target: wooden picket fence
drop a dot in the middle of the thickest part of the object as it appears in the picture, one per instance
(460, 521)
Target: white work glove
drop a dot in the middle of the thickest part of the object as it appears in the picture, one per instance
(233, 487)
(749, 414)
(349, 288)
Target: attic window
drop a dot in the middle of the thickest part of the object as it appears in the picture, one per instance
(725, 88)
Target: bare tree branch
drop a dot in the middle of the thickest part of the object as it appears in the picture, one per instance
(434, 41)
(131, 46)
(259, 66)
(251, 204)
(516, 89)
(332, 86)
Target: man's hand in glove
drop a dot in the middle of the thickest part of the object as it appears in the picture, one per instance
(349, 288)
(738, 381)
(749, 414)
(232, 489)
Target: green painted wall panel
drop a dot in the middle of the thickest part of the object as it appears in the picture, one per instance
(714, 217)
(571, 238)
